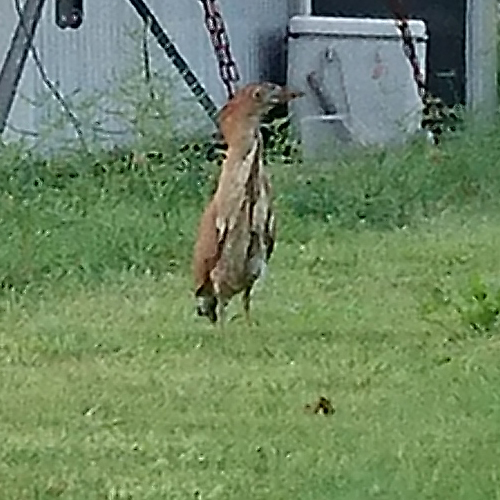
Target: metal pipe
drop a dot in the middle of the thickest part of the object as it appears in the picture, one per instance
(481, 58)
(13, 66)
(178, 61)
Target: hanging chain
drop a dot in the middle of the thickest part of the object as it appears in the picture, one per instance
(411, 54)
(436, 115)
(220, 40)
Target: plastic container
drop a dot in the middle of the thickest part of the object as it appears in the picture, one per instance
(353, 71)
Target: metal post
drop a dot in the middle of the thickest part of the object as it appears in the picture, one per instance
(481, 57)
(299, 7)
(13, 66)
(178, 61)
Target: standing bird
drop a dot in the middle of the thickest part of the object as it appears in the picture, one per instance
(236, 233)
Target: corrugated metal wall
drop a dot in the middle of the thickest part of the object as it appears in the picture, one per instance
(92, 58)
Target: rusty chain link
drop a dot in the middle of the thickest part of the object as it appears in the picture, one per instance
(436, 115)
(408, 45)
(411, 54)
(220, 40)
(275, 137)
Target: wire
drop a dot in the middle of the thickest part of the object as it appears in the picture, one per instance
(48, 83)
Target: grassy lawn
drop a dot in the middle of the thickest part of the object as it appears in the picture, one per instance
(115, 390)
(111, 388)
(383, 296)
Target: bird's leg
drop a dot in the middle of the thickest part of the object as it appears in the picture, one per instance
(206, 306)
(246, 304)
(221, 314)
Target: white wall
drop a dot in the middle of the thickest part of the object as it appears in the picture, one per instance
(89, 59)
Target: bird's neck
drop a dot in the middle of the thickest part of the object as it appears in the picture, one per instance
(240, 134)
(242, 157)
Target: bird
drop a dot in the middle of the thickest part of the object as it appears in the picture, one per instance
(237, 229)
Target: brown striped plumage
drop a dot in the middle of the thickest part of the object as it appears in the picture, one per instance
(236, 233)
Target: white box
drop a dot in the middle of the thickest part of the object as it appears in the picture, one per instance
(363, 74)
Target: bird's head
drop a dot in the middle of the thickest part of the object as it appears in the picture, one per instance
(259, 99)
(250, 103)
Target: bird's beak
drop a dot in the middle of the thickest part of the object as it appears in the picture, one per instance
(282, 95)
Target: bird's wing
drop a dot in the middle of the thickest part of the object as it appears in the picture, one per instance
(221, 215)
(270, 226)
(208, 248)
(231, 191)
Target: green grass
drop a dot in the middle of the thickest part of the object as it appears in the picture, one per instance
(112, 388)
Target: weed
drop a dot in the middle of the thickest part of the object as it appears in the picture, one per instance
(476, 304)
(111, 388)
